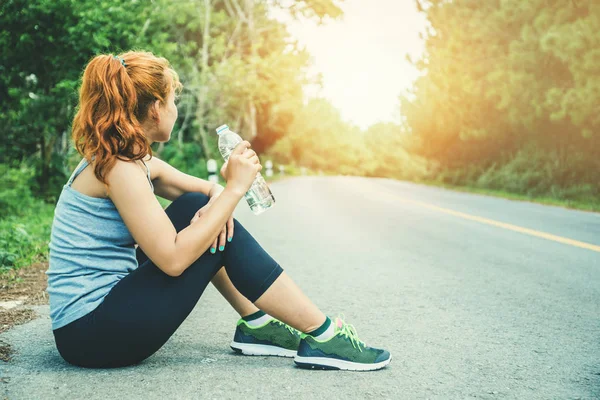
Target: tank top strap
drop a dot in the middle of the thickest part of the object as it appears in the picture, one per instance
(148, 174)
(82, 164)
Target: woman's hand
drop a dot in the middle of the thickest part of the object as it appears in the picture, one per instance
(239, 171)
(224, 171)
(227, 231)
(242, 167)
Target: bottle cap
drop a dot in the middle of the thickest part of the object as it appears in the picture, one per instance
(222, 128)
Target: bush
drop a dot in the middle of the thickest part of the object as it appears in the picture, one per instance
(15, 189)
(24, 239)
(188, 159)
(25, 221)
(533, 173)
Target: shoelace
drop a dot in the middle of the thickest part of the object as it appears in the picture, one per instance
(349, 331)
(289, 328)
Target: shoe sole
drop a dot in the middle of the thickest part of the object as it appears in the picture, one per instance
(249, 349)
(334, 363)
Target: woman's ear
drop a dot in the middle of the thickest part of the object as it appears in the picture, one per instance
(155, 111)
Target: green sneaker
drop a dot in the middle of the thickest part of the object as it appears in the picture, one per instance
(273, 338)
(342, 351)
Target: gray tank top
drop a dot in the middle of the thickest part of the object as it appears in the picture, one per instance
(91, 249)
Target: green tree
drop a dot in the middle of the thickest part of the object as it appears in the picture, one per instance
(45, 45)
(238, 64)
(319, 139)
(505, 77)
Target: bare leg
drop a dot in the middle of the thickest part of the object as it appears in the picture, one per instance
(283, 300)
(241, 304)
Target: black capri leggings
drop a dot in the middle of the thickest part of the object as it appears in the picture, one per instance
(145, 308)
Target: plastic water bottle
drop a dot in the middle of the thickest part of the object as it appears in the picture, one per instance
(259, 196)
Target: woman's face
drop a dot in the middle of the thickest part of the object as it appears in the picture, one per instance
(167, 115)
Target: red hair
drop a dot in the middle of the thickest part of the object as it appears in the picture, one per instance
(115, 96)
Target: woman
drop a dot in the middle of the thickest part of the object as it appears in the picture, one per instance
(113, 305)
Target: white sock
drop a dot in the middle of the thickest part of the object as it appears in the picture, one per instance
(328, 334)
(259, 321)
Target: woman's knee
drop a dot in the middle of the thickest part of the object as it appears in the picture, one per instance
(192, 199)
(182, 210)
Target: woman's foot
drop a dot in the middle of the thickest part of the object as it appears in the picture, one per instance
(342, 351)
(273, 338)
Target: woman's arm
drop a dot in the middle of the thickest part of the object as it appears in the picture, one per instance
(170, 183)
(152, 229)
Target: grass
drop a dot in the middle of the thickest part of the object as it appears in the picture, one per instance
(24, 238)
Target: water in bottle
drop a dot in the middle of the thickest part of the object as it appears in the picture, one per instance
(259, 196)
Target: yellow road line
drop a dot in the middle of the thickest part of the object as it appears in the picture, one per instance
(504, 225)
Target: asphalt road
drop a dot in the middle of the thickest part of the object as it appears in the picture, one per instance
(468, 308)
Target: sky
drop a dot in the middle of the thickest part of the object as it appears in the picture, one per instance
(362, 57)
